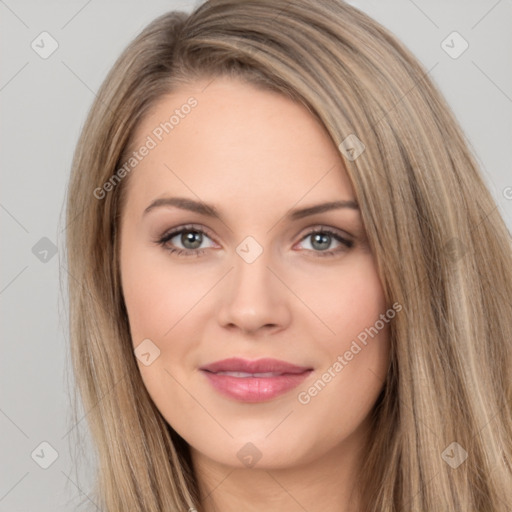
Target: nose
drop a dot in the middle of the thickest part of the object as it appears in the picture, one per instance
(253, 298)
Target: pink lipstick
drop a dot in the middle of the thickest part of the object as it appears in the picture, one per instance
(254, 381)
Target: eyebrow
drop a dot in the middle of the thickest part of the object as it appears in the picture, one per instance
(210, 210)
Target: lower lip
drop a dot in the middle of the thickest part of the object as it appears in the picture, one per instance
(254, 389)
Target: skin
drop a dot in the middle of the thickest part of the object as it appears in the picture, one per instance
(254, 155)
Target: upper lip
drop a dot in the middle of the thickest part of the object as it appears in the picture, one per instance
(266, 365)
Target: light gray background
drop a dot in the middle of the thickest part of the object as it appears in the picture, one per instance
(43, 107)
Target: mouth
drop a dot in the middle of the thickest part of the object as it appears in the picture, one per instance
(254, 381)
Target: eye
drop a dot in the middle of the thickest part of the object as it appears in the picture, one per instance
(322, 238)
(188, 241)
(185, 240)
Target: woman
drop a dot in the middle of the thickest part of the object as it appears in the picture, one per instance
(291, 288)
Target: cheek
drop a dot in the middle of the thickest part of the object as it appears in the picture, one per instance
(344, 301)
(359, 305)
(362, 329)
(157, 299)
(168, 306)
(354, 344)
(157, 302)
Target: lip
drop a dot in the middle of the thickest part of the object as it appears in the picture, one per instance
(230, 378)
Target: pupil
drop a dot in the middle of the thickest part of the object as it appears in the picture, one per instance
(191, 237)
(194, 238)
(322, 241)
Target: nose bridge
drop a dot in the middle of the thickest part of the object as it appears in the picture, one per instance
(251, 278)
(254, 297)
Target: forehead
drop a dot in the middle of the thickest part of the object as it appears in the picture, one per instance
(236, 140)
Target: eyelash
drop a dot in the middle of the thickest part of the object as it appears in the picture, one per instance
(197, 252)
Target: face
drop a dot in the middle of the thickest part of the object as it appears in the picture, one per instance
(257, 316)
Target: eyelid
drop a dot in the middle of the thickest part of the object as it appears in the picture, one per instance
(321, 228)
(171, 233)
(346, 242)
(344, 238)
(313, 228)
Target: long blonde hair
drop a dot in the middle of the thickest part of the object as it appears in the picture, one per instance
(442, 251)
